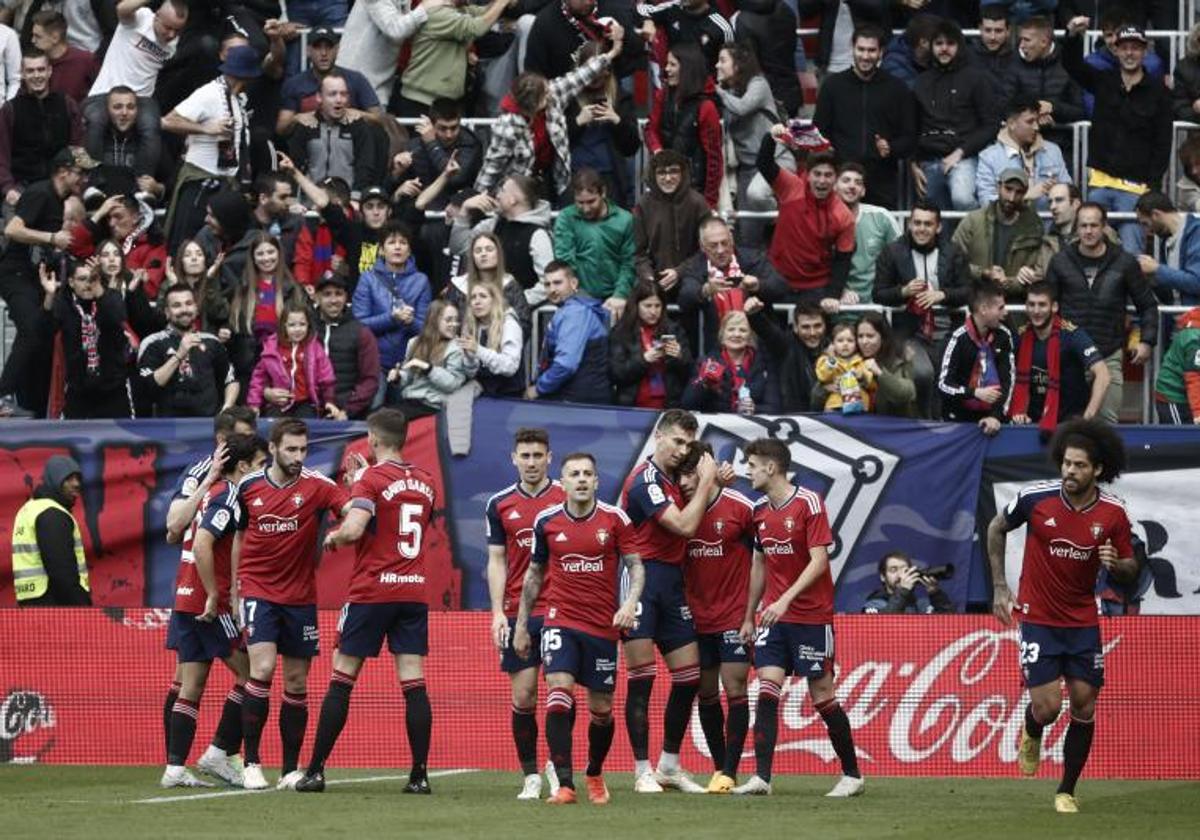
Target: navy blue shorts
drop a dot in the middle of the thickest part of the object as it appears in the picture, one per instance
(510, 663)
(718, 648)
(292, 629)
(201, 641)
(590, 659)
(805, 650)
(663, 613)
(1048, 653)
(362, 627)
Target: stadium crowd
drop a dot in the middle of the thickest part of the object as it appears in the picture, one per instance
(196, 218)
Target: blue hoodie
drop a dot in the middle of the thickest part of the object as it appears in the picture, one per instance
(378, 290)
(574, 361)
(1186, 278)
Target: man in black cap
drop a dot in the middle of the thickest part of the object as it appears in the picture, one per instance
(218, 140)
(299, 97)
(1130, 142)
(351, 348)
(49, 567)
(34, 231)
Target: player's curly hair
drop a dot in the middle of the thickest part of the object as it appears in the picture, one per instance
(1095, 437)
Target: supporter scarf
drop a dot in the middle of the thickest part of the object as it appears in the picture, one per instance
(589, 27)
(983, 372)
(739, 375)
(89, 332)
(543, 149)
(925, 315)
(1020, 398)
(731, 300)
(652, 390)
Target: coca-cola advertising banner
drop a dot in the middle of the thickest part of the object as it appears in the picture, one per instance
(926, 695)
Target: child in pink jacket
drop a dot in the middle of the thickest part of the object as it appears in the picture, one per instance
(293, 377)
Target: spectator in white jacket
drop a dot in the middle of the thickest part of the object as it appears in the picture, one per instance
(374, 33)
(10, 61)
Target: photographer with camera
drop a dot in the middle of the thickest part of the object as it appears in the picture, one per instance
(903, 582)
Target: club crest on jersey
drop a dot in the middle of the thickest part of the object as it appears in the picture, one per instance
(298, 499)
(789, 523)
(602, 536)
(719, 526)
(1097, 529)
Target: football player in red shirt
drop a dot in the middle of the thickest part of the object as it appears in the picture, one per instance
(275, 590)
(716, 577)
(202, 627)
(189, 492)
(580, 546)
(387, 595)
(795, 635)
(510, 516)
(1073, 528)
(663, 524)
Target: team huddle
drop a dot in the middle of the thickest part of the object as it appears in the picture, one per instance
(684, 564)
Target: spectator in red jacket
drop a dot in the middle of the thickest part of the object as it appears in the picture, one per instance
(685, 118)
(131, 224)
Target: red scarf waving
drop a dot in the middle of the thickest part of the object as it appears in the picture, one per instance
(1020, 398)
(739, 375)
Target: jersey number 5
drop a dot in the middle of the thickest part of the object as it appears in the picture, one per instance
(411, 530)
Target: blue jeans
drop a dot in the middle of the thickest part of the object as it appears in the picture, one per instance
(953, 190)
(1132, 238)
(312, 13)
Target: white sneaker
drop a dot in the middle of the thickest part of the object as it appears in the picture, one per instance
(288, 782)
(847, 786)
(551, 777)
(754, 786)
(216, 763)
(175, 776)
(253, 778)
(646, 783)
(533, 787)
(678, 779)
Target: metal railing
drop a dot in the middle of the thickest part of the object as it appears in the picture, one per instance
(1166, 315)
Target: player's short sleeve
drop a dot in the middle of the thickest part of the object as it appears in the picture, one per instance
(220, 518)
(541, 549)
(1017, 512)
(816, 526)
(364, 495)
(186, 485)
(625, 536)
(493, 523)
(1122, 534)
(645, 500)
(1081, 344)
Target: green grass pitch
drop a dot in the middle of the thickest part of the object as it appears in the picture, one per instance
(126, 802)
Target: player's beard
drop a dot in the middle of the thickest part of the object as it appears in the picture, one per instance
(293, 469)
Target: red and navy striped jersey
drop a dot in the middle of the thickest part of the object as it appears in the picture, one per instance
(510, 517)
(1062, 559)
(281, 525)
(647, 494)
(784, 535)
(716, 573)
(218, 515)
(583, 557)
(389, 566)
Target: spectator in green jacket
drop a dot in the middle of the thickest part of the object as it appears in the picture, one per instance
(595, 237)
(437, 67)
(1003, 240)
(874, 229)
(1177, 388)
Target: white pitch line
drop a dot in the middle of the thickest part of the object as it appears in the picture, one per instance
(188, 797)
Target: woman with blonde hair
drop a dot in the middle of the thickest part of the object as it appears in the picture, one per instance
(434, 367)
(485, 264)
(733, 377)
(492, 334)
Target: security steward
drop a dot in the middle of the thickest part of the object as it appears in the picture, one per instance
(49, 567)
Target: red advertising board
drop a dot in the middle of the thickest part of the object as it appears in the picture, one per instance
(926, 695)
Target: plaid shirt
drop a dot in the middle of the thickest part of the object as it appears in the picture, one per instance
(510, 151)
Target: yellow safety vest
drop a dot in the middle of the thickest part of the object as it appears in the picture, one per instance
(29, 573)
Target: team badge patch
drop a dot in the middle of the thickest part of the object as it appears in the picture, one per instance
(298, 499)
(602, 536)
(719, 526)
(1097, 530)
(789, 523)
